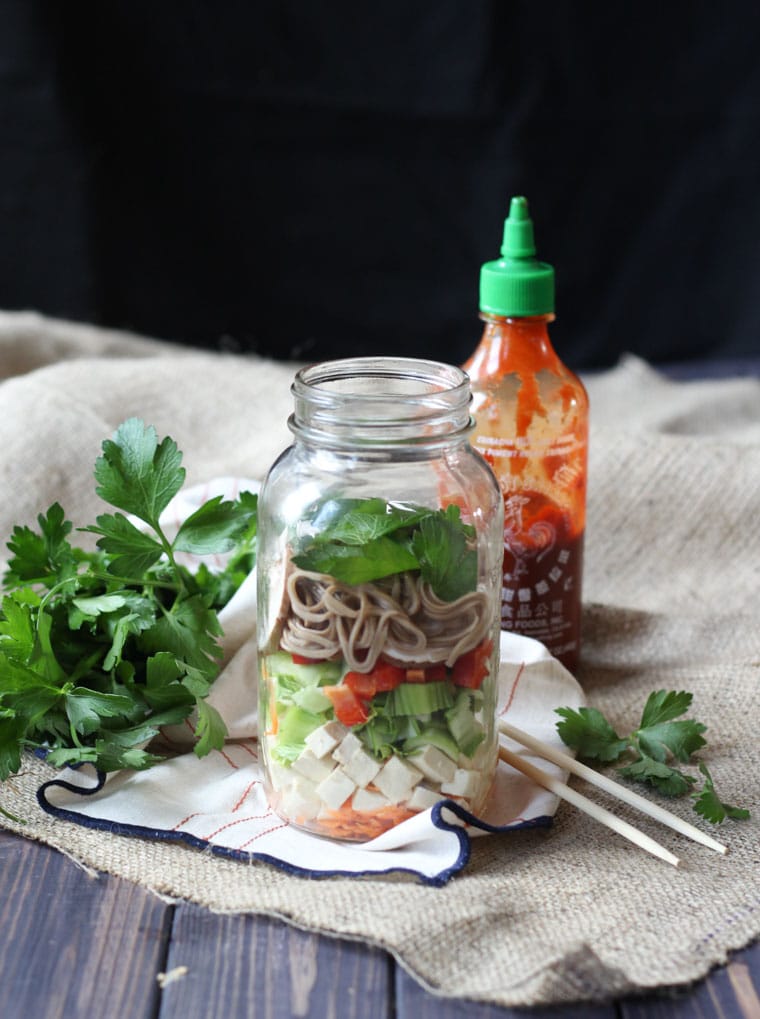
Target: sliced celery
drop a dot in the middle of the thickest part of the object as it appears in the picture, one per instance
(311, 698)
(463, 725)
(295, 724)
(420, 698)
(280, 664)
(435, 736)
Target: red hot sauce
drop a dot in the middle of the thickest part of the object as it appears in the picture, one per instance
(532, 427)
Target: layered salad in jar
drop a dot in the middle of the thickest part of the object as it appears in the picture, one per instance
(378, 673)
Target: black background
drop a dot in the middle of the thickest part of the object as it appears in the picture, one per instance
(325, 179)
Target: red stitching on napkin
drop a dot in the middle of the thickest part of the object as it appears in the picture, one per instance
(229, 760)
(513, 691)
(239, 803)
(248, 750)
(231, 824)
(167, 739)
(186, 819)
(262, 833)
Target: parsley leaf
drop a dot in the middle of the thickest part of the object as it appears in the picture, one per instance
(210, 729)
(711, 807)
(138, 474)
(189, 632)
(681, 739)
(669, 781)
(43, 557)
(354, 564)
(12, 730)
(217, 526)
(17, 636)
(663, 706)
(588, 731)
(217, 587)
(358, 521)
(86, 708)
(447, 563)
(130, 551)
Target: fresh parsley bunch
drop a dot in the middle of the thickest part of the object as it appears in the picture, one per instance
(99, 649)
(661, 737)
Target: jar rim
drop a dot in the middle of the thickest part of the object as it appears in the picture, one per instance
(435, 377)
(381, 401)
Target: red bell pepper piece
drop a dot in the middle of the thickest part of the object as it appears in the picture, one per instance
(348, 708)
(471, 668)
(362, 683)
(387, 676)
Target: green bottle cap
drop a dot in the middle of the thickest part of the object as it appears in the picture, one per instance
(517, 283)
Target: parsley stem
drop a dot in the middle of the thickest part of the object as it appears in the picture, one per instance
(74, 735)
(49, 594)
(11, 817)
(169, 550)
(135, 581)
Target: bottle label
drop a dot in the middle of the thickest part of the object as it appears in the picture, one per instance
(543, 567)
(543, 538)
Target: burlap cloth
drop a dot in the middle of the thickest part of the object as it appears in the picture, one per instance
(671, 596)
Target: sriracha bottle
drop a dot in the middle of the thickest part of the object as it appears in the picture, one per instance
(532, 427)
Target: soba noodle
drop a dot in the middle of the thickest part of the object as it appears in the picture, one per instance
(400, 618)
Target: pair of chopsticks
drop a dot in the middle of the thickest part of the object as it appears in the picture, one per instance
(599, 813)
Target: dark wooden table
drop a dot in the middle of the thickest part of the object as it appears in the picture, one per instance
(77, 945)
(81, 945)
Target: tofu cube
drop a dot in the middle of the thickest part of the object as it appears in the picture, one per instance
(464, 783)
(422, 798)
(348, 747)
(300, 801)
(335, 789)
(434, 764)
(396, 779)
(361, 768)
(280, 777)
(311, 766)
(326, 738)
(366, 799)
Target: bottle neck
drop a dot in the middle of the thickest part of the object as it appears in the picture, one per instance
(513, 344)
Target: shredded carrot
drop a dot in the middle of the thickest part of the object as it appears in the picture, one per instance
(274, 721)
(356, 825)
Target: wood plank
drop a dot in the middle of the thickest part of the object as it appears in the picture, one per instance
(731, 992)
(413, 1002)
(237, 966)
(75, 945)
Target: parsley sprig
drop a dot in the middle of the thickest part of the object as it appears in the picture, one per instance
(99, 649)
(647, 754)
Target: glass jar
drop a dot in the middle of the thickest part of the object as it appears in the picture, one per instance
(379, 565)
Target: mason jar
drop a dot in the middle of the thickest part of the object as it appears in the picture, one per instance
(379, 562)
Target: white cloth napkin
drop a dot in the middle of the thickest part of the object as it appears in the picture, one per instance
(218, 802)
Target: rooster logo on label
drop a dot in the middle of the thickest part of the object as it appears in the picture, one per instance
(524, 545)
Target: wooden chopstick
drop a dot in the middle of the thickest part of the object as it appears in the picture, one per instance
(617, 824)
(623, 793)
